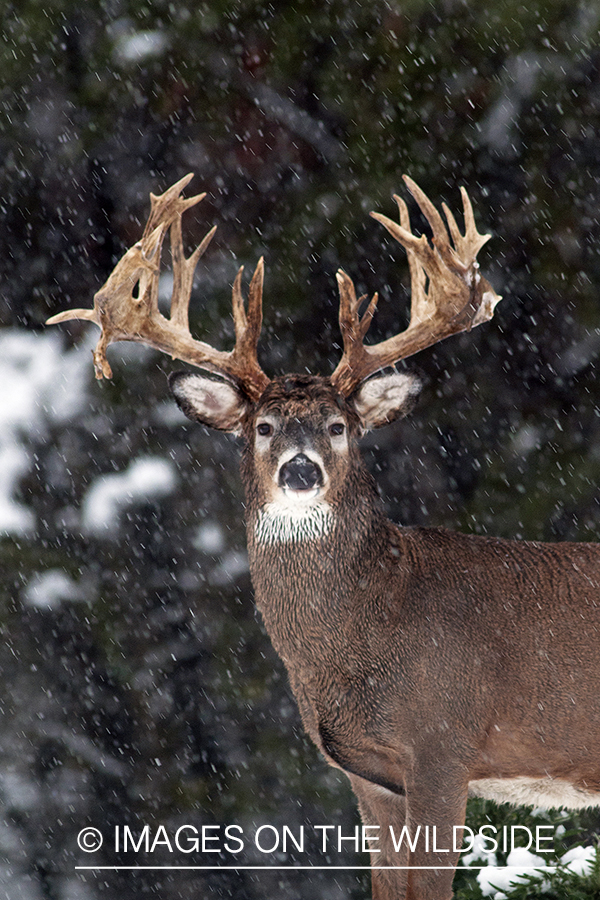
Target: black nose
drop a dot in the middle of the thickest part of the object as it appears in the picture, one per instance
(300, 474)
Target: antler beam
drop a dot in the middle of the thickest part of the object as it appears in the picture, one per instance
(126, 307)
(448, 293)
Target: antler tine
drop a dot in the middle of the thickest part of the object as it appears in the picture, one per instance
(418, 279)
(124, 315)
(469, 244)
(183, 272)
(353, 325)
(247, 324)
(355, 363)
(448, 293)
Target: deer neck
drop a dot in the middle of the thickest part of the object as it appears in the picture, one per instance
(306, 568)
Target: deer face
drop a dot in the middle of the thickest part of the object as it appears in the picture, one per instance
(301, 435)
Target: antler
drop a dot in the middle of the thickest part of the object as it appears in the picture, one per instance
(448, 293)
(126, 315)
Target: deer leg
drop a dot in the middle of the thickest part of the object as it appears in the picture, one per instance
(436, 800)
(383, 808)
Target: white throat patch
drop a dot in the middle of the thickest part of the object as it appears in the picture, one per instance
(279, 522)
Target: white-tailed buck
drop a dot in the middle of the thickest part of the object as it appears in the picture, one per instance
(427, 665)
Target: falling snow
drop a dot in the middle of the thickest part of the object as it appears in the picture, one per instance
(137, 683)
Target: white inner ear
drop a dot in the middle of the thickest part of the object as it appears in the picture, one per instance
(215, 403)
(383, 399)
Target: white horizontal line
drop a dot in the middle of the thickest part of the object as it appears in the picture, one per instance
(294, 868)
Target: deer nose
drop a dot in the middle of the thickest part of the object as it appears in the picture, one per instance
(300, 474)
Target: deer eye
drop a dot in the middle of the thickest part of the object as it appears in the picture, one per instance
(336, 429)
(264, 429)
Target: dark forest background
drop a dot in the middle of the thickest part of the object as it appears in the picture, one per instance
(137, 683)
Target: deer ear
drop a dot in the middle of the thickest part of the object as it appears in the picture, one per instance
(216, 403)
(381, 400)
